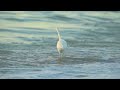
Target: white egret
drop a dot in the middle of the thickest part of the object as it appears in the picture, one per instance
(61, 44)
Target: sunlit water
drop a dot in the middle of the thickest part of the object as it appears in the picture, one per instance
(28, 45)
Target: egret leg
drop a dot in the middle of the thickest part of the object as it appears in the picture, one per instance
(62, 54)
(59, 53)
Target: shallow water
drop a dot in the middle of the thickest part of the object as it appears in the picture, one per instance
(28, 45)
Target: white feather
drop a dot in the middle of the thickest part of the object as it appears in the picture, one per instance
(61, 44)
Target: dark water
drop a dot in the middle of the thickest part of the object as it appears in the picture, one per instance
(28, 45)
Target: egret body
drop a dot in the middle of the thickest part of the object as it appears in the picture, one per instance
(61, 44)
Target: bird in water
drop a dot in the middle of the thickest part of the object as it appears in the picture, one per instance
(61, 44)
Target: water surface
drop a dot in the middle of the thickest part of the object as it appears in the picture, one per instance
(28, 45)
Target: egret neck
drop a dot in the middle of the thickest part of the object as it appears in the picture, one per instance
(58, 34)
